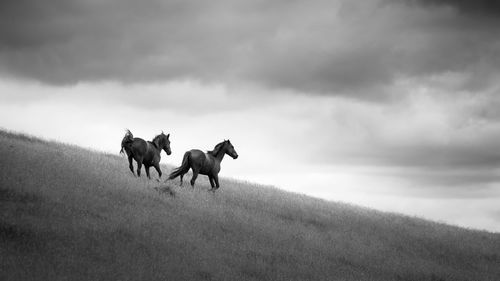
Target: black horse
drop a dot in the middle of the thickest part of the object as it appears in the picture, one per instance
(205, 163)
(145, 152)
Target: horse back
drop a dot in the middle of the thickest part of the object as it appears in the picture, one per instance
(195, 156)
(135, 147)
(206, 162)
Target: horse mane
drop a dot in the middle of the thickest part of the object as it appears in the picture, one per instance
(153, 144)
(156, 141)
(129, 137)
(128, 134)
(217, 148)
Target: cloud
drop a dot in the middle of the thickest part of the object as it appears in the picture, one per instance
(475, 8)
(328, 47)
(426, 140)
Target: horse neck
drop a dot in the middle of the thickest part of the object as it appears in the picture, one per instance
(157, 148)
(220, 154)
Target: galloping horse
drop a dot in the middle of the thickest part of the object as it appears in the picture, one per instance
(205, 163)
(145, 152)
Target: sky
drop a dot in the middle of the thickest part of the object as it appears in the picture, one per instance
(387, 104)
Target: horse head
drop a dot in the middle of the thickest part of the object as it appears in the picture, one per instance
(162, 142)
(230, 149)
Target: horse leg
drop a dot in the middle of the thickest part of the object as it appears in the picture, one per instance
(211, 179)
(131, 167)
(195, 175)
(139, 166)
(147, 171)
(216, 179)
(182, 175)
(157, 167)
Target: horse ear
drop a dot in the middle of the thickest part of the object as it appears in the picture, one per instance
(168, 136)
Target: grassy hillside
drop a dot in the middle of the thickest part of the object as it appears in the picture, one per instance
(67, 213)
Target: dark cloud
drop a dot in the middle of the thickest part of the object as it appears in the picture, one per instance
(442, 142)
(314, 46)
(476, 8)
(431, 157)
(70, 41)
(460, 179)
(479, 154)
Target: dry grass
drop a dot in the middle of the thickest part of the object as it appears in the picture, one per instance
(67, 213)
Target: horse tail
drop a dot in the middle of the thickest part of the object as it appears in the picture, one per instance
(127, 139)
(184, 168)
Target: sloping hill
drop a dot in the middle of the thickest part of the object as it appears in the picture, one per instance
(67, 213)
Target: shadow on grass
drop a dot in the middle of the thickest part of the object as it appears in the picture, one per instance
(15, 196)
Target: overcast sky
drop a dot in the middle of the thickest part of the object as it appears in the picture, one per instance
(382, 103)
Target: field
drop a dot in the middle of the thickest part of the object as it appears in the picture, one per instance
(68, 213)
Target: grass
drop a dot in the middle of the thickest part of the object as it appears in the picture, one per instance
(67, 213)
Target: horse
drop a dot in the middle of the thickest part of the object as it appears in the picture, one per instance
(205, 163)
(145, 152)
